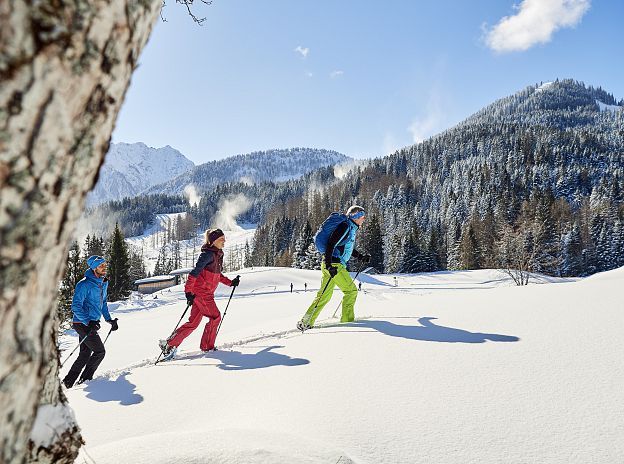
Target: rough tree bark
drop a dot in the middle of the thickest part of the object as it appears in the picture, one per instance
(65, 66)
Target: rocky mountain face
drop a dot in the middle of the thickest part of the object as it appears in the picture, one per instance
(131, 168)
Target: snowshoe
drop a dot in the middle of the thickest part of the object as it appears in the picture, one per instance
(169, 353)
(303, 326)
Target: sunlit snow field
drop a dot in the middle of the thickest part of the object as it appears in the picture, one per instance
(453, 367)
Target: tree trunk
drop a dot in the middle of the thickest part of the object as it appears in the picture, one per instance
(64, 68)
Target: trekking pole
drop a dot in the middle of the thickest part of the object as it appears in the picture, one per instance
(174, 329)
(318, 298)
(108, 334)
(74, 350)
(355, 277)
(225, 311)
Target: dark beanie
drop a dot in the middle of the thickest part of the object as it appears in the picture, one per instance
(214, 234)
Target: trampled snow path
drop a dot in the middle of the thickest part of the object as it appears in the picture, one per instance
(433, 371)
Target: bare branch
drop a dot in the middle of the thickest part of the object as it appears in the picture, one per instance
(162, 18)
(188, 4)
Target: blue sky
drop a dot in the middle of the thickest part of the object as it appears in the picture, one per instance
(360, 77)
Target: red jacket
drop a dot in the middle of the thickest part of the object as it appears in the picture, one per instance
(203, 280)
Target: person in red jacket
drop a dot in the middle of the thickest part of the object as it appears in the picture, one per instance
(200, 287)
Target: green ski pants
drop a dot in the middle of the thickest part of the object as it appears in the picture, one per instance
(345, 283)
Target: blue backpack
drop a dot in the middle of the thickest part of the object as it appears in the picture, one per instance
(327, 228)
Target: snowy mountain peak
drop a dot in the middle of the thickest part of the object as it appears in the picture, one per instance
(544, 103)
(131, 168)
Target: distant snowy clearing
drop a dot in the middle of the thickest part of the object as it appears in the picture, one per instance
(452, 367)
(154, 236)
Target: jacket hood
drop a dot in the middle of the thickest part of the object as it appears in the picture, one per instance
(212, 248)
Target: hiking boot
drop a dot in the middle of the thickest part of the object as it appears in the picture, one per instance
(303, 326)
(83, 380)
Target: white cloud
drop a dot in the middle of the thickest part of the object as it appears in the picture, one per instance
(433, 120)
(335, 74)
(535, 22)
(309, 74)
(302, 50)
(390, 144)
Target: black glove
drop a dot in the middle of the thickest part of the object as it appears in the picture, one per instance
(236, 281)
(332, 271)
(94, 326)
(190, 297)
(113, 323)
(365, 258)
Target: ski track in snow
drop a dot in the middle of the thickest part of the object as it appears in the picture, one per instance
(383, 290)
(190, 355)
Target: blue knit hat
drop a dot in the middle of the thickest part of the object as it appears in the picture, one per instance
(94, 261)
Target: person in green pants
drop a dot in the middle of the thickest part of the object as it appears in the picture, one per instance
(336, 239)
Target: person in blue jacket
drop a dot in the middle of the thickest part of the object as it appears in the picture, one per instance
(89, 305)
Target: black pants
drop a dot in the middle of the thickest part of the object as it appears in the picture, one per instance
(91, 355)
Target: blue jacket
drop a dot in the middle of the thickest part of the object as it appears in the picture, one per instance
(89, 302)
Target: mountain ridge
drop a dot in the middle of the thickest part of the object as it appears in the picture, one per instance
(131, 168)
(274, 165)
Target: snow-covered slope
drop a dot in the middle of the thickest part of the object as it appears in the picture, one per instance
(154, 237)
(605, 107)
(130, 168)
(449, 367)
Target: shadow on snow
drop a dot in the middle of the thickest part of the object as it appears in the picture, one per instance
(238, 361)
(430, 332)
(121, 390)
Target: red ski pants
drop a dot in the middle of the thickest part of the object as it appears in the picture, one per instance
(202, 306)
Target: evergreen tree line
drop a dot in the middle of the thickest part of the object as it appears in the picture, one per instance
(548, 235)
(533, 182)
(168, 258)
(135, 214)
(125, 265)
